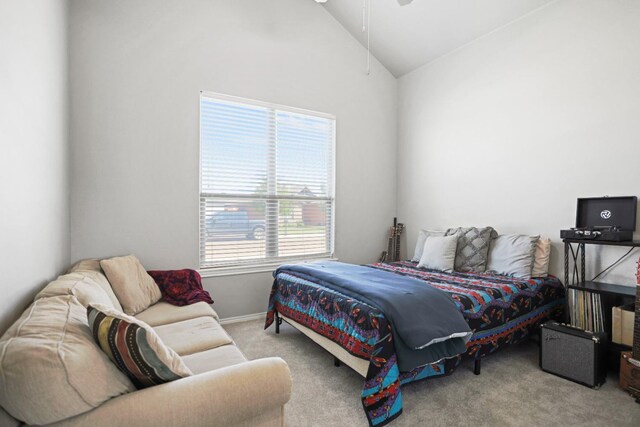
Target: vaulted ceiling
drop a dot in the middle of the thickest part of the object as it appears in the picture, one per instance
(404, 38)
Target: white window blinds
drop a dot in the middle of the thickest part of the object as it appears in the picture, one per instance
(266, 182)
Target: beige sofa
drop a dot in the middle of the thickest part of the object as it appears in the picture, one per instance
(53, 373)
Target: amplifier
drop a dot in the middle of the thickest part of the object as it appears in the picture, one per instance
(572, 353)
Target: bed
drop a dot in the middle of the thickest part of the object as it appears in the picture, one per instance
(499, 310)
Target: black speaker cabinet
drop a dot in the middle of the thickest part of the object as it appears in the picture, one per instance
(573, 354)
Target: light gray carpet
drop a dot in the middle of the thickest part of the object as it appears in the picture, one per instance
(511, 390)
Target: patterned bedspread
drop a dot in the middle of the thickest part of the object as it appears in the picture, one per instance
(500, 310)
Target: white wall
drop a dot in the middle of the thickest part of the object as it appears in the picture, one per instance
(509, 130)
(34, 196)
(137, 67)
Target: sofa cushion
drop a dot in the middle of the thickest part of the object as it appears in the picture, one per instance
(88, 286)
(134, 347)
(220, 357)
(7, 420)
(50, 367)
(92, 264)
(91, 268)
(164, 313)
(133, 286)
(194, 335)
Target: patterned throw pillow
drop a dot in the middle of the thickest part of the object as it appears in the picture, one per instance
(473, 248)
(134, 347)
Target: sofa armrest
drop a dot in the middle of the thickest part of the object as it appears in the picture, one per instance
(228, 396)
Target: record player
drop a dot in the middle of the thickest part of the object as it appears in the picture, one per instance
(610, 219)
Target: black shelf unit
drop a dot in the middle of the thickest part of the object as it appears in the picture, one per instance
(611, 294)
(604, 288)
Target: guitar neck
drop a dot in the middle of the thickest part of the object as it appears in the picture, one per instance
(636, 325)
(390, 247)
(398, 233)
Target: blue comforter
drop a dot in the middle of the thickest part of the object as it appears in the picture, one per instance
(427, 325)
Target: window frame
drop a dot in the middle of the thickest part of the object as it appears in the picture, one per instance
(267, 264)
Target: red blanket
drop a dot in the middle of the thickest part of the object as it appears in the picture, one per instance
(180, 287)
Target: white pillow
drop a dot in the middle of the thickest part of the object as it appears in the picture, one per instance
(512, 255)
(542, 256)
(422, 237)
(439, 253)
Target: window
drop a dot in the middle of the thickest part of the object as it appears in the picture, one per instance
(266, 183)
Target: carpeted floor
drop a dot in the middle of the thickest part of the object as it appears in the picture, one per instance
(511, 390)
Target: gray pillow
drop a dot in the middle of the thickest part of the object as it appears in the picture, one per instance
(422, 237)
(513, 255)
(439, 253)
(473, 247)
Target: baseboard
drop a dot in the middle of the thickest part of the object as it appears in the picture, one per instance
(245, 318)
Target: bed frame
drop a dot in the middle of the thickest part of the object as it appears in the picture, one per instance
(340, 355)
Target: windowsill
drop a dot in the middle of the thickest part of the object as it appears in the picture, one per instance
(255, 268)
